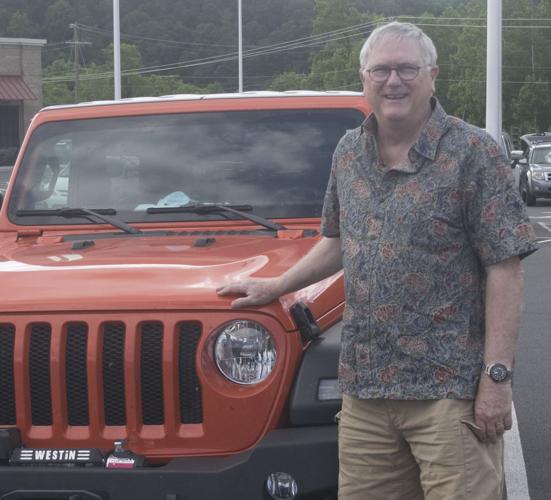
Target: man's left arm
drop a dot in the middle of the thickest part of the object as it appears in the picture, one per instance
(493, 403)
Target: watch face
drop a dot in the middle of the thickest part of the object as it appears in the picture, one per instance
(498, 372)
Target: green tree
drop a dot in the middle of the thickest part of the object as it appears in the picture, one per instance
(466, 95)
(168, 32)
(336, 68)
(289, 81)
(57, 92)
(336, 65)
(58, 17)
(531, 108)
(20, 26)
(518, 45)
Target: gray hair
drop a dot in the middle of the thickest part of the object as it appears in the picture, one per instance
(399, 31)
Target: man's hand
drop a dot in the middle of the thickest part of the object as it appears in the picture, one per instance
(493, 409)
(258, 292)
(323, 260)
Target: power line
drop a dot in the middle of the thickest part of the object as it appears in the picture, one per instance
(50, 45)
(321, 35)
(438, 25)
(309, 42)
(300, 43)
(476, 18)
(109, 33)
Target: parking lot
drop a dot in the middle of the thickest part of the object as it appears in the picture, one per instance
(533, 371)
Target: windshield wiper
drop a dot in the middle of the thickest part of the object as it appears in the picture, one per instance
(85, 213)
(211, 208)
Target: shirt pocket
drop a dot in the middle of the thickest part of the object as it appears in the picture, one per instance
(434, 221)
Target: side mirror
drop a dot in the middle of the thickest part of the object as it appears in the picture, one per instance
(517, 155)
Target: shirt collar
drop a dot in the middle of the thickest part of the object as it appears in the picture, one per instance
(427, 143)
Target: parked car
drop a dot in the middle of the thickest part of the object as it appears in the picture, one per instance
(507, 147)
(512, 156)
(534, 163)
(506, 144)
(5, 173)
(59, 196)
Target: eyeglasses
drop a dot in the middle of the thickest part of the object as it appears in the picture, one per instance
(406, 72)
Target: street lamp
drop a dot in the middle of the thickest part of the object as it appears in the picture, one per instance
(240, 48)
(117, 49)
(493, 69)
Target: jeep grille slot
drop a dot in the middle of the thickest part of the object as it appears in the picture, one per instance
(113, 374)
(191, 407)
(7, 389)
(152, 373)
(39, 374)
(76, 377)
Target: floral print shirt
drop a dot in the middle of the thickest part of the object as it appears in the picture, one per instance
(415, 241)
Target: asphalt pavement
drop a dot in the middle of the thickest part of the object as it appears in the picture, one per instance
(532, 382)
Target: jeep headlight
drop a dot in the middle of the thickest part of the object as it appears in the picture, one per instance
(245, 352)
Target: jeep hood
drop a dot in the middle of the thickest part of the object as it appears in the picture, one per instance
(146, 273)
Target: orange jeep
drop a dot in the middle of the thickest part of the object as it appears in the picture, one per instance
(118, 224)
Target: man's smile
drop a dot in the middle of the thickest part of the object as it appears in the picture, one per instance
(395, 97)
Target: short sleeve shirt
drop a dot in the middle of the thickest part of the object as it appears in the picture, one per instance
(415, 240)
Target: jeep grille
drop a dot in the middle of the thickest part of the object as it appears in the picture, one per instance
(68, 376)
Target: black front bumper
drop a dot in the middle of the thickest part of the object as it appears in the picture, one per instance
(309, 454)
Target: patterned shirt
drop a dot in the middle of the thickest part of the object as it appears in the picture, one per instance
(415, 241)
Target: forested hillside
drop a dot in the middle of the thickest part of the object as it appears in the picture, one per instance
(174, 46)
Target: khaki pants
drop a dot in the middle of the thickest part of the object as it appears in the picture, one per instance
(415, 450)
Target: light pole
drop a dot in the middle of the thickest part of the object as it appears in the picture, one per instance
(117, 49)
(240, 48)
(493, 69)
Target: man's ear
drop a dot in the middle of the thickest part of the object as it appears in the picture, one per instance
(362, 76)
(434, 70)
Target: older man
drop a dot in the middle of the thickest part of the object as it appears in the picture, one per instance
(421, 213)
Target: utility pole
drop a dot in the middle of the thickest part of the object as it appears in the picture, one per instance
(76, 55)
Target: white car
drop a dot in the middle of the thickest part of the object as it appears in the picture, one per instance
(58, 198)
(5, 173)
(512, 156)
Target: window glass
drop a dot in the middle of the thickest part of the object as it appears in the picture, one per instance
(277, 161)
(506, 145)
(524, 147)
(542, 155)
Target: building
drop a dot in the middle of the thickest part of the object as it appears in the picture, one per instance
(20, 91)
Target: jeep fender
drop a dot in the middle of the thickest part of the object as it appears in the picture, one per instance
(320, 361)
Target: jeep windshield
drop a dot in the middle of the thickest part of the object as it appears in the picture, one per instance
(276, 161)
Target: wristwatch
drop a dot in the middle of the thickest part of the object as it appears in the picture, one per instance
(498, 372)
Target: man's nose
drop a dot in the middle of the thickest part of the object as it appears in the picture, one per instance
(393, 77)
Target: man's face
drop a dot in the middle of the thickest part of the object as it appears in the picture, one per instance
(394, 100)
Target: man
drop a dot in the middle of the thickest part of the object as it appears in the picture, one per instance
(421, 213)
